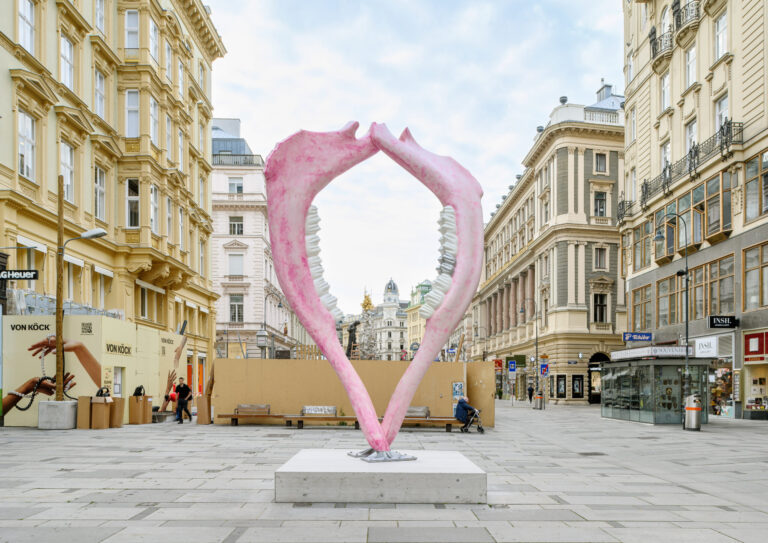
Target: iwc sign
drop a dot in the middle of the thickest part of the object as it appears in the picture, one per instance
(723, 321)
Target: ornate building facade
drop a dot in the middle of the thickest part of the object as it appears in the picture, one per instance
(389, 324)
(550, 282)
(695, 189)
(115, 97)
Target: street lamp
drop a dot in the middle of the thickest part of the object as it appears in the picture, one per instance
(680, 273)
(261, 336)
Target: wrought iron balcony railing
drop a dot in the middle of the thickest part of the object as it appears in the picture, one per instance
(687, 14)
(730, 133)
(237, 160)
(661, 44)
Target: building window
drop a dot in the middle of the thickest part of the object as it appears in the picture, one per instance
(235, 308)
(181, 228)
(168, 61)
(755, 288)
(154, 40)
(99, 15)
(561, 385)
(235, 226)
(169, 217)
(201, 76)
(201, 186)
(235, 185)
(721, 35)
(27, 25)
(181, 151)
(235, 264)
(665, 91)
(600, 308)
(100, 194)
(201, 257)
(641, 308)
(68, 170)
(67, 67)
(632, 124)
(698, 287)
(667, 290)
(132, 203)
(756, 197)
(600, 162)
(132, 114)
(131, 29)
(665, 155)
(632, 184)
(26, 145)
(154, 204)
(721, 296)
(99, 94)
(181, 78)
(168, 136)
(690, 66)
(143, 303)
(630, 68)
(690, 136)
(600, 203)
(601, 258)
(721, 112)
(154, 122)
(642, 246)
(719, 204)
(201, 137)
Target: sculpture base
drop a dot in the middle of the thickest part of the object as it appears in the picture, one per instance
(331, 475)
(52, 415)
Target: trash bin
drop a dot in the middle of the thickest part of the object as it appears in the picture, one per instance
(538, 401)
(692, 417)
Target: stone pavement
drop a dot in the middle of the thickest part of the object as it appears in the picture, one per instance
(559, 475)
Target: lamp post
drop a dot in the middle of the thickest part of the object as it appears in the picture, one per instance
(536, 329)
(264, 324)
(680, 273)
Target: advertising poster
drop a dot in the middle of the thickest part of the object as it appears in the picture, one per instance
(98, 351)
(457, 391)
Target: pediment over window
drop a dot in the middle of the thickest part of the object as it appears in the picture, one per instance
(35, 86)
(234, 244)
(74, 119)
(72, 20)
(108, 144)
(602, 284)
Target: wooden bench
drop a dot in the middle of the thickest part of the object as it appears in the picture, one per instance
(249, 411)
(421, 415)
(320, 413)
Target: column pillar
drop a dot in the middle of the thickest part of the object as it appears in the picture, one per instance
(513, 306)
(570, 195)
(488, 317)
(497, 307)
(571, 266)
(530, 309)
(505, 308)
(580, 180)
(581, 281)
(523, 315)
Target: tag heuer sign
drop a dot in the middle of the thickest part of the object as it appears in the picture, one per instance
(722, 321)
(24, 275)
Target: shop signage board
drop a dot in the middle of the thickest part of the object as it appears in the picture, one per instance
(706, 346)
(722, 321)
(19, 275)
(653, 351)
(498, 364)
(638, 336)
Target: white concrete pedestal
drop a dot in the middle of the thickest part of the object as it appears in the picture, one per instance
(330, 475)
(54, 415)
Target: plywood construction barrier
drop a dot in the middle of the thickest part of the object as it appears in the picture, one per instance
(287, 385)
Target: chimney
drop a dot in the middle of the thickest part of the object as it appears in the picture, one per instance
(606, 90)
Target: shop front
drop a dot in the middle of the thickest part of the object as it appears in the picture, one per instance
(647, 384)
(755, 374)
(720, 349)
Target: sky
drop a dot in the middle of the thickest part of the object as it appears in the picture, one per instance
(471, 79)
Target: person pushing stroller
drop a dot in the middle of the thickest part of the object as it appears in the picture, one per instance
(467, 414)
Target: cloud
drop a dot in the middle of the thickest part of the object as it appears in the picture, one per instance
(471, 79)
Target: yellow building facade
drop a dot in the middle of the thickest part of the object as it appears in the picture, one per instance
(114, 95)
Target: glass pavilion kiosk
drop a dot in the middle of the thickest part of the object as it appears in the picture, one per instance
(646, 384)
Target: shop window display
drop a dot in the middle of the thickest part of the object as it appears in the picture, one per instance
(721, 388)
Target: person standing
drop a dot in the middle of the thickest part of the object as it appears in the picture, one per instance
(184, 394)
(530, 393)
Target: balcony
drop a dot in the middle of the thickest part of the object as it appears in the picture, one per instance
(687, 21)
(731, 133)
(602, 116)
(661, 51)
(238, 160)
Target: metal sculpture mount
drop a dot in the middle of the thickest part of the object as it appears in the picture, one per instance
(296, 171)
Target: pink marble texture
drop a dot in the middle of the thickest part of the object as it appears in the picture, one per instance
(297, 170)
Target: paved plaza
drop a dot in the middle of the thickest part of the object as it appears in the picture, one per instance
(561, 475)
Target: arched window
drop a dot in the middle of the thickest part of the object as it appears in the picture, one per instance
(666, 21)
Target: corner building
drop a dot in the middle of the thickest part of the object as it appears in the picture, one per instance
(115, 97)
(696, 173)
(551, 256)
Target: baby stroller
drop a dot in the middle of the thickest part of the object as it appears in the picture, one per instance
(474, 418)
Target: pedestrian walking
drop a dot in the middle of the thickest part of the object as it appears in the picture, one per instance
(184, 394)
(530, 393)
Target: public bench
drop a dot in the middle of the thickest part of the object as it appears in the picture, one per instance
(249, 411)
(319, 413)
(421, 415)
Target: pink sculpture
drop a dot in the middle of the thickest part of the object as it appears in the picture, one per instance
(299, 168)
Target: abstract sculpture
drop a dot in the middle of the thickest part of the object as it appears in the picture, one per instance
(297, 170)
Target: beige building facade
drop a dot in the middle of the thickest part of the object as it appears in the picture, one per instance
(696, 174)
(115, 97)
(550, 282)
